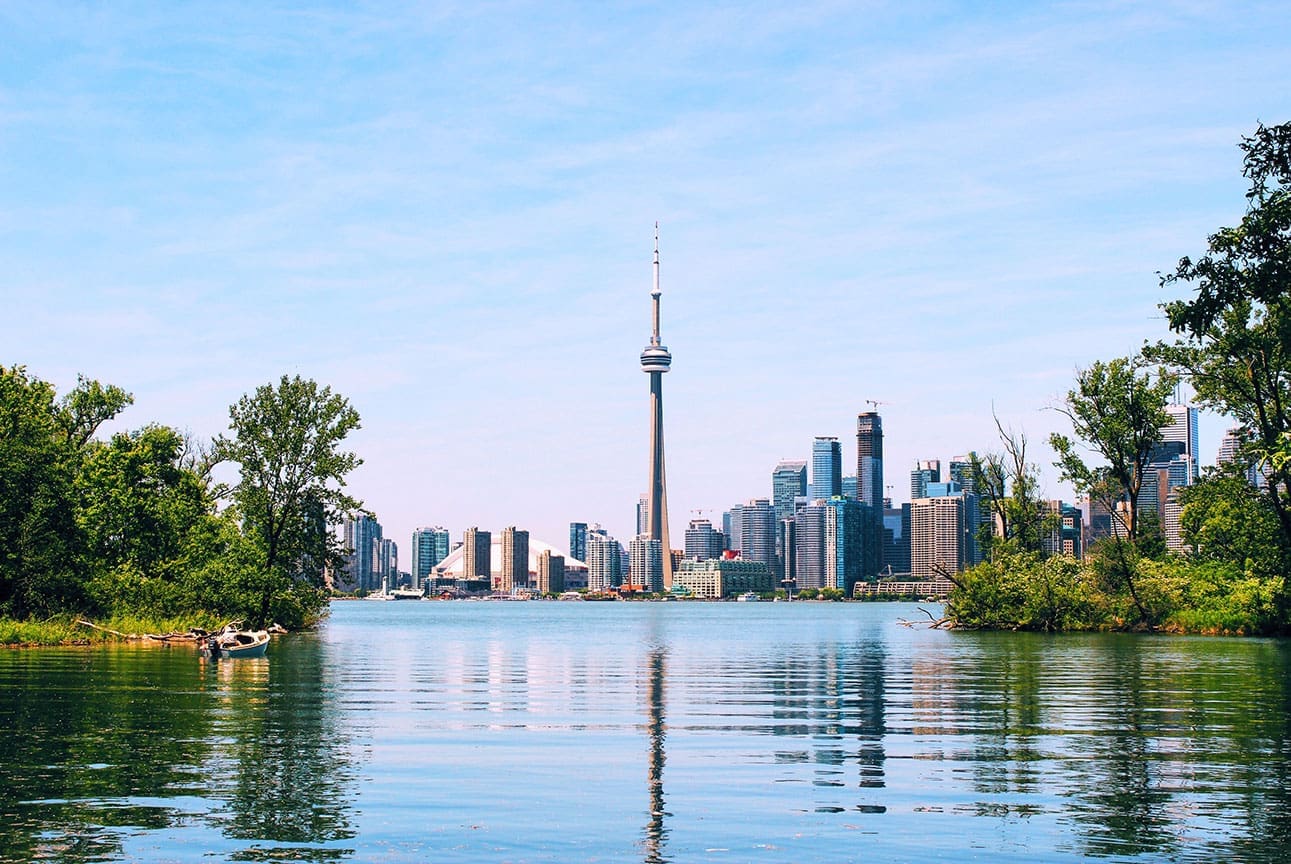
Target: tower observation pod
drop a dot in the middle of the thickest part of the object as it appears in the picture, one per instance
(655, 360)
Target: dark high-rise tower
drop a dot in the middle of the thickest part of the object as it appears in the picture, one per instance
(869, 483)
(869, 459)
(655, 360)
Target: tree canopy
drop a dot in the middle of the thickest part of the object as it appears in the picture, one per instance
(133, 525)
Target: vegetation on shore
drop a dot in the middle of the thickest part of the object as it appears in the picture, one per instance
(133, 531)
(1233, 347)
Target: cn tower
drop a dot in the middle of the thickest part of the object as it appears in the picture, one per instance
(655, 360)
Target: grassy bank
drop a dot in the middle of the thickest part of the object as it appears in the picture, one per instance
(64, 629)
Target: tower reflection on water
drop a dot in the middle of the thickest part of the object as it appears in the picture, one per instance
(655, 833)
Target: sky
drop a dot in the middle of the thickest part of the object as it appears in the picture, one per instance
(445, 212)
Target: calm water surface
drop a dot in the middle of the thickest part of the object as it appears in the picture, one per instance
(650, 732)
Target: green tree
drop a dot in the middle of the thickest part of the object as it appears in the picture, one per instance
(1235, 330)
(1118, 411)
(1008, 484)
(286, 440)
(137, 505)
(43, 441)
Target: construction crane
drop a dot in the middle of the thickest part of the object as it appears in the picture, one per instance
(875, 403)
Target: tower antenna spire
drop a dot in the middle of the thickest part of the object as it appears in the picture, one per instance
(654, 294)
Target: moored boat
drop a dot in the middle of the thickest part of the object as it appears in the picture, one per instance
(749, 597)
(236, 643)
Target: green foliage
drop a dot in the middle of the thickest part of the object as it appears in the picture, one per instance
(1008, 484)
(136, 505)
(1235, 344)
(1023, 591)
(833, 594)
(1117, 410)
(129, 528)
(286, 442)
(42, 444)
(808, 594)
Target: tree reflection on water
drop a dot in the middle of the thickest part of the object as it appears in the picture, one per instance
(114, 752)
(284, 774)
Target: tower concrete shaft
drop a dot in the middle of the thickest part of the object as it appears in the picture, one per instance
(655, 360)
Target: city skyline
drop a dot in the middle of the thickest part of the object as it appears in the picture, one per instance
(442, 214)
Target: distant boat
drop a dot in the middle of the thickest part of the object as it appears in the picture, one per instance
(236, 644)
(749, 597)
(405, 594)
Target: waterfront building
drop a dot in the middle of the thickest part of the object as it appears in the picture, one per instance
(733, 527)
(515, 560)
(758, 532)
(655, 361)
(925, 471)
(809, 546)
(387, 576)
(936, 536)
(787, 543)
(604, 561)
(643, 513)
(829, 543)
(702, 541)
(850, 487)
(869, 473)
(845, 523)
(362, 554)
(429, 547)
(896, 539)
(788, 482)
(578, 540)
(646, 554)
(724, 577)
(477, 558)
(826, 467)
(551, 573)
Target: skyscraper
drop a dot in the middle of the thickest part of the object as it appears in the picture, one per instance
(788, 481)
(758, 532)
(477, 555)
(363, 548)
(1183, 429)
(809, 543)
(647, 563)
(515, 559)
(869, 474)
(429, 547)
(733, 527)
(551, 572)
(702, 541)
(578, 541)
(387, 567)
(925, 471)
(604, 561)
(655, 360)
(826, 468)
(643, 513)
(936, 536)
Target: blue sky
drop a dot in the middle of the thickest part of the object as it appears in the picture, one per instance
(445, 211)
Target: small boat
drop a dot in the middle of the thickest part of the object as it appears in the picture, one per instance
(749, 597)
(236, 643)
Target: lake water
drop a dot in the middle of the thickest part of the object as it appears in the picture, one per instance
(654, 732)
